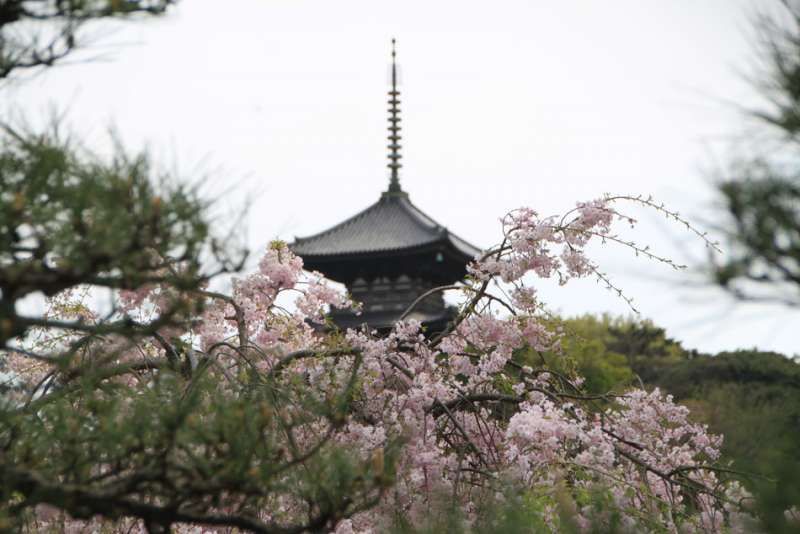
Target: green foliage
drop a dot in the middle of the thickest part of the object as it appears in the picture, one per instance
(69, 218)
(613, 354)
(87, 213)
(587, 342)
(764, 206)
(753, 399)
(118, 449)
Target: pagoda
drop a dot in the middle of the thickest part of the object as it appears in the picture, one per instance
(391, 253)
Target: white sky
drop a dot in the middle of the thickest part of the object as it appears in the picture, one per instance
(282, 104)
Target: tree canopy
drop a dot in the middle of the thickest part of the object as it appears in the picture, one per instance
(760, 195)
(42, 33)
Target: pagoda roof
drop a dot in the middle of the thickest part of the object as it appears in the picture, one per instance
(391, 225)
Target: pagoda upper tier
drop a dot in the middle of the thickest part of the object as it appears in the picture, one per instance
(391, 254)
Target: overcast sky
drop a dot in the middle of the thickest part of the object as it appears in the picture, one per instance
(505, 104)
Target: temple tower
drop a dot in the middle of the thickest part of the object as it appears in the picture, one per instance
(391, 253)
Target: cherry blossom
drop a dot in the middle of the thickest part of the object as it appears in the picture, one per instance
(475, 408)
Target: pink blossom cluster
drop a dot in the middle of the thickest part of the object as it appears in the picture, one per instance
(549, 245)
(256, 298)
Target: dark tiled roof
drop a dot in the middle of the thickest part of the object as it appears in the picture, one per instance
(393, 223)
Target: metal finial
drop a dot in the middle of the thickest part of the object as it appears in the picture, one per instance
(394, 129)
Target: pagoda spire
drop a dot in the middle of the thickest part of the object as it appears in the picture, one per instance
(394, 130)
